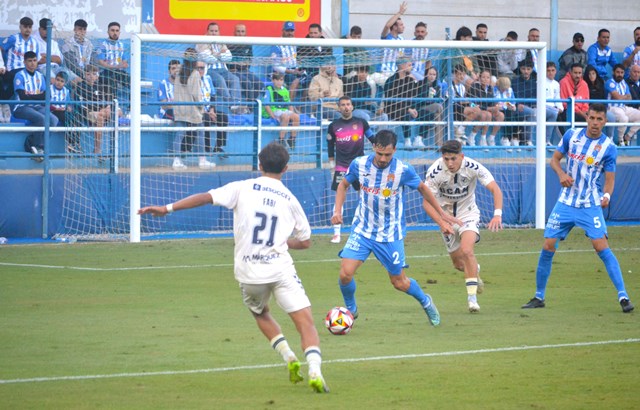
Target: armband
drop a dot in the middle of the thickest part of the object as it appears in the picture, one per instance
(169, 208)
(607, 195)
(497, 212)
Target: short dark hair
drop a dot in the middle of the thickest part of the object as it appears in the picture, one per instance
(43, 23)
(273, 158)
(30, 54)
(459, 68)
(598, 107)
(62, 75)
(451, 147)
(80, 23)
(384, 138)
(172, 62)
(463, 31)
(26, 21)
(574, 65)
(481, 25)
(315, 25)
(513, 35)
(277, 76)
(355, 30)
(551, 64)
(620, 66)
(113, 23)
(421, 24)
(344, 98)
(603, 30)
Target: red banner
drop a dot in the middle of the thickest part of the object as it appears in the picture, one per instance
(263, 18)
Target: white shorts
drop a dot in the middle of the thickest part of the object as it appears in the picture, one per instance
(280, 113)
(288, 293)
(470, 222)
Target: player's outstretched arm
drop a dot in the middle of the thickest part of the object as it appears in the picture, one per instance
(189, 202)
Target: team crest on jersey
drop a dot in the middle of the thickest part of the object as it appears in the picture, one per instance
(257, 187)
(355, 137)
(18, 82)
(391, 178)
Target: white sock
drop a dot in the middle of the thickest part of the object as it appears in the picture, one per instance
(336, 229)
(314, 360)
(280, 345)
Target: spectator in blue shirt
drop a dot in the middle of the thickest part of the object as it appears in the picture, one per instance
(600, 54)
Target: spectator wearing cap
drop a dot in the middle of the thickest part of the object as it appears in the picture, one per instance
(15, 47)
(56, 56)
(328, 87)
(77, 51)
(284, 60)
(573, 55)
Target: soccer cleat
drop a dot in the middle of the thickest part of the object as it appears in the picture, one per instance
(294, 372)
(354, 314)
(335, 238)
(178, 164)
(626, 305)
(433, 314)
(318, 385)
(533, 303)
(474, 307)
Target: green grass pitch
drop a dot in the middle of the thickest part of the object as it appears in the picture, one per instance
(161, 325)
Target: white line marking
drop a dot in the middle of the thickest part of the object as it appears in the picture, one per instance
(360, 359)
(221, 265)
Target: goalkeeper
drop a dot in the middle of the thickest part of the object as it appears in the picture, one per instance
(452, 179)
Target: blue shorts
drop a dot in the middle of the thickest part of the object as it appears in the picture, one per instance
(390, 254)
(564, 217)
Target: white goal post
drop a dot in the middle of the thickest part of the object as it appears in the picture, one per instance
(136, 127)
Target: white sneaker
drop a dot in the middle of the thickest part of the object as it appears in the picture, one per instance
(459, 132)
(407, 143)
(204, 164)
(529, 144)
(417, 142)
(474, 307)
(471, 140)
(505, 142)
(491, 140)
(483, 141)
(178, 164)
(335, 238)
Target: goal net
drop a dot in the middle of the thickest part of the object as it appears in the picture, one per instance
(166, 145)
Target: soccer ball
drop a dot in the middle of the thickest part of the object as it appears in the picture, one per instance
(339, 321)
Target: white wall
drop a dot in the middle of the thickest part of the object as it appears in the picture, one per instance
(585, 16)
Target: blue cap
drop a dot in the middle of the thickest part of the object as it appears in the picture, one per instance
(289, 26)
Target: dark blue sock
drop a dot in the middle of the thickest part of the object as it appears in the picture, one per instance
(416, 291)
(543, 272)
(349, 295)
(613, 269)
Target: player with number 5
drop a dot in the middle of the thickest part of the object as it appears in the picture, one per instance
(267, 221)
(589, 153)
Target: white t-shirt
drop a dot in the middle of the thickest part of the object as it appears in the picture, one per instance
(456, 192)
(265, 214)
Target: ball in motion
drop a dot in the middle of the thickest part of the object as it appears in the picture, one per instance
(339, 321)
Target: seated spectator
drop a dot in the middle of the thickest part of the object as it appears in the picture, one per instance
(631, 54)
(484, 89)
(30, 85)
(465, 110)
(430, 87)
(553, 109)
(5, 111)
(165, 90)
(599, 54)
(503, 91)
(618, 90)
(284, 61)
(399, 92)
(14, 47)
(524, 87)
(60, 106)
(466, 58)
(282, 111)
(328, 87)
(112, 57)
(309, 56)
(359, 88)
(77, 51)
(634, 84)
(572, 85)
(96, 97)
(211, 116)
(573, 55)
(598, 91)
(188, 89)
(507, 60)
(241, 66)
(530, 54)
(56, 56)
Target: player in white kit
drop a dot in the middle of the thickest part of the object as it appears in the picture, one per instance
(452, 179)
(265, 215)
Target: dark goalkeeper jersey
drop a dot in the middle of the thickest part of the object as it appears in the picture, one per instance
(346, 140)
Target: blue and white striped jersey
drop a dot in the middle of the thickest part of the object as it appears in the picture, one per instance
(16, 46)
(59, 98)
(419, 57)
(284, 57)
(380, 212)
(391, 55)
(165, 93)
(112, 52)
(208, 90)
(587, 159)
(622, 88)
(31, 84)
